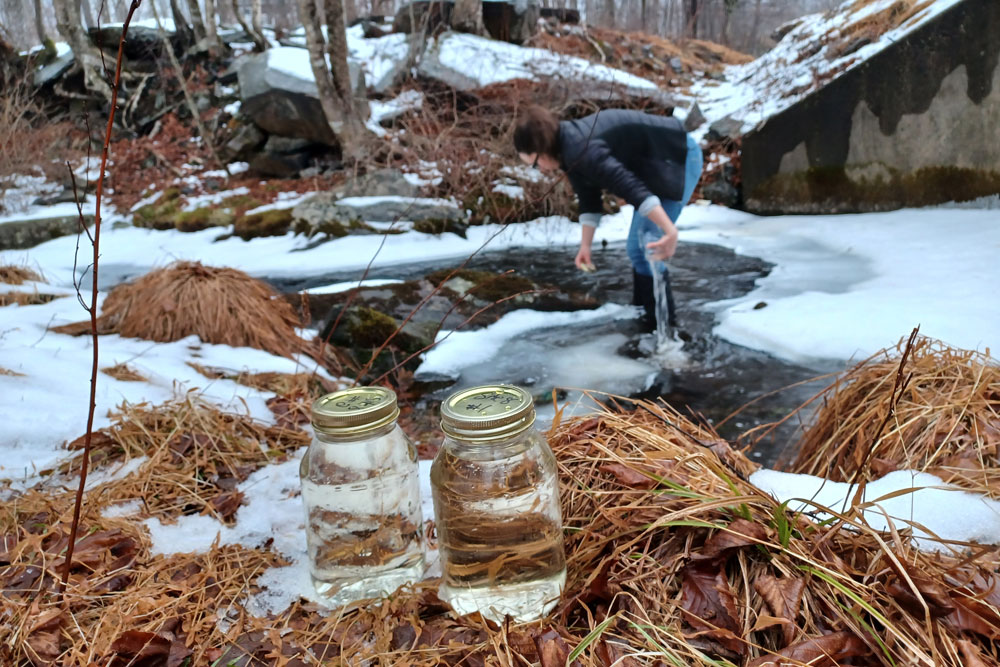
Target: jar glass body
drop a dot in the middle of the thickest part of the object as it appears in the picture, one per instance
(364, 529)
(499, 526)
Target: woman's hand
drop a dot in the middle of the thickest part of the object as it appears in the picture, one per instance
(583, 261)
(664, 248)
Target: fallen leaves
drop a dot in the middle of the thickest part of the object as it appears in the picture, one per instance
(825, 651)
(709, 604)
(783, 597)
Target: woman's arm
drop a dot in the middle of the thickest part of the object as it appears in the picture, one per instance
(667, 246)
(586, 240)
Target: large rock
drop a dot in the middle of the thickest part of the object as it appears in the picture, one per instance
(379, 183)
(908, 127)
(467, 62)
(54, 69)
(327, 210)
(279, 94)
(143, 43)
(20, 234)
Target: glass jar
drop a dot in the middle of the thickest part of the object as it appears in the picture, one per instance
(496, 504)
(361, 492)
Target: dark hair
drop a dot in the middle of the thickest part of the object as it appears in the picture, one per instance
(537, 131)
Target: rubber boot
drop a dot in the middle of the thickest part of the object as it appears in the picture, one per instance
(643, 295)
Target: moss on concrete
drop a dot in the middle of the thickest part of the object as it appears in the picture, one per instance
(830, 190)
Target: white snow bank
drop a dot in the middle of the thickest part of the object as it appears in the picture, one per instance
(800, 63)
(46, 404)
(846, 286)
(487, 61)
(336, 288)
(459, 349)
(934, 510)
(128, 251)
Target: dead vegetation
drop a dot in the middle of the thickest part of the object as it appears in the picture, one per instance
(673, 556)
(871, 27)
(193, 458)
(11, 274)
(124, 373)
(219, 305)
(946, 421)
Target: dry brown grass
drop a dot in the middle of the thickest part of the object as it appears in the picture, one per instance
(25, 298)
(195, 457)
(11, 274)
(10, 373)
(946, 422)
(219, 305)
(124, 372)
(872, 27)
(673, 557)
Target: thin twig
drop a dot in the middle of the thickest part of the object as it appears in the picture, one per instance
(88, 438)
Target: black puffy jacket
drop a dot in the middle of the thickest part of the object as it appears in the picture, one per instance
(629, 153)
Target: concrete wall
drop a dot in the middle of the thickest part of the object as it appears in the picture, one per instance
(917, 124)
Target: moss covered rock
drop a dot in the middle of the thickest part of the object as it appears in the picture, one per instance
(275, 222)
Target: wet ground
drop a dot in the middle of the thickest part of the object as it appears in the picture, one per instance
(718, 379)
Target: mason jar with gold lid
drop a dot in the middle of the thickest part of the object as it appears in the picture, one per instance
(361, 492)
(496, 504)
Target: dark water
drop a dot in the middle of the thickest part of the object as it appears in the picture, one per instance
(722, 378)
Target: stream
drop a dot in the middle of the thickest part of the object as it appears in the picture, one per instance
(611, 355)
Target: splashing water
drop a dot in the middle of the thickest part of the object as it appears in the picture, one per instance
(669, 351)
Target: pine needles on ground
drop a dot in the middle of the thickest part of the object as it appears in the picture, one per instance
(219, 305)
(946, 422)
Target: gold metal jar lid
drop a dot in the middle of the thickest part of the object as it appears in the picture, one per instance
(487, 413)
(354, 412)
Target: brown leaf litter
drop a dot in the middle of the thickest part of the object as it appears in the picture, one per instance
(673, 558)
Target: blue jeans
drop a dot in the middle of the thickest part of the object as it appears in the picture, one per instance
(641, 225)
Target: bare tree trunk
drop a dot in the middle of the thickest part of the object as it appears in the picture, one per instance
(467, 16)
(197, 22)
(88, 13)
(353, 132)
(43, 37)
(255, 16)
(693, 8)
(181, 27)
(335, 93)
(87, 57)
(260, 44)
(212, 28)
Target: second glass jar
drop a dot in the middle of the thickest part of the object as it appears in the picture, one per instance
(496, 504)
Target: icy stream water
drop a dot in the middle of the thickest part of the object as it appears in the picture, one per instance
(710, 377)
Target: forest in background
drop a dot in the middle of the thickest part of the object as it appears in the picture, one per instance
(742, 24)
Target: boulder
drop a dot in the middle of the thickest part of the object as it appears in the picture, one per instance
(54, 69)
(278, 92)
(284, 157)
(143, 43)
(720, 189)
(327, 212)
(695, 118)
(560, 14)
(244, 143)
(726, 128)
(380, 183)
(467, 63)
(20, 234)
